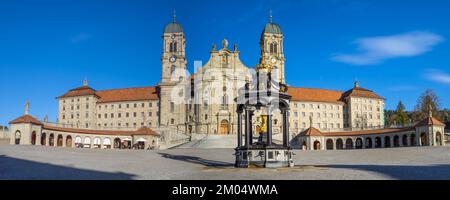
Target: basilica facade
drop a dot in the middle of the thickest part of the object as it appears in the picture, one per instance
(204, 102)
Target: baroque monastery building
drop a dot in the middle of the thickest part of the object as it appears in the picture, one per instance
(204, 103)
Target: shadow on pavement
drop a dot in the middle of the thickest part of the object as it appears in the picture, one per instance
(18, 169)
(197, 160)
(430, 172)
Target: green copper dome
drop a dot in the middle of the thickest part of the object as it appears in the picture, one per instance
(272, 28)
(173, 28)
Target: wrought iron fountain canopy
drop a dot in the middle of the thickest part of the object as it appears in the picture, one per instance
(263, 95)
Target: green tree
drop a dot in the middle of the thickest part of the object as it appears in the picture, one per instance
(427, 100)
(401, 117)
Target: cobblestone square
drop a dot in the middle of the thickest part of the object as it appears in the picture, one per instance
(40, 162)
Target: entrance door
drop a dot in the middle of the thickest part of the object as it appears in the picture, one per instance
(224, 127)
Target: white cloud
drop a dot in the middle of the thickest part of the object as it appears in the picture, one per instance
(437, 76)
(375, 50)
(81, 37)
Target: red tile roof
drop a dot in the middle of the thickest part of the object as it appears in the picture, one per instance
(315, 95)
(26, 119)
(430, 121)
(361, 92)
(116, 95)
(80, 91)
(141, 131)
(129, 94)
(311, 132)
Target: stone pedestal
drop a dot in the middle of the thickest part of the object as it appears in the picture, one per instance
(267, 157)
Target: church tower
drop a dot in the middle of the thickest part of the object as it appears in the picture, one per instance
(271, 45)
(173, 74)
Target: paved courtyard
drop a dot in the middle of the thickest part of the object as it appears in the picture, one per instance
(37, 162)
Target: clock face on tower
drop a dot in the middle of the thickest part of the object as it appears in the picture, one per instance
(172, 59)
(273, 60)
(172, 37)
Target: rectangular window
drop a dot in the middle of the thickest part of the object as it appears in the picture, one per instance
(99, 116)
(112, 115)
(134, 114)
(127, 115)
(120, 115)
(106, 116)
(143, 105)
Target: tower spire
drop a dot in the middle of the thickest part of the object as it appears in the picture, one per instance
(174, 15)
(85, 82)
(270, 16)
(27, 107)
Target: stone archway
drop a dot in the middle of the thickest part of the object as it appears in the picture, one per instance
(330, 144)
(387, 141)
(339, 144)
(396, 141)
(378, 142)
(405, 140)
(423, 139)
(438, 139)
(117, 143)
(33, 138)
(368, 143)
(316, 145)
(59, 141)
(51, 140)
(413, 140)
(349, 144)
(43, 138)
(69, 141)
(224, 127)
(17, 137)
(359, 143)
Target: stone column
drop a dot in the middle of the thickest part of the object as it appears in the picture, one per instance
(250, 127)
(247, 128)
(269, 127)
(285, 122)
(239, 129)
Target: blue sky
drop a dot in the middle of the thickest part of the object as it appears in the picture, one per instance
(395, 48)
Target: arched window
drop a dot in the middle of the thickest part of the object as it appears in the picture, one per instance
(275, 47)
(172, 70)
(172, 107)
(271, 48)
(17, 137)
(175, 47)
